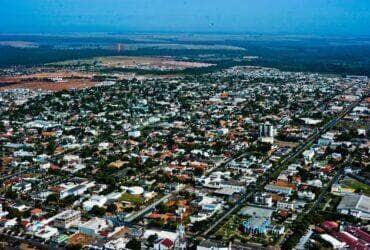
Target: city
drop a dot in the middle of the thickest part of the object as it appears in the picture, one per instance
(184, 125)
(246, 156)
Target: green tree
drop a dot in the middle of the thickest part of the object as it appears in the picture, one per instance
(98, 211)
(10, 194)
(112, 208)
(133, 244)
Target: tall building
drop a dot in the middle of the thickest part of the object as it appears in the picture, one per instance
(267, 133)
(180, 243)
(267, 130)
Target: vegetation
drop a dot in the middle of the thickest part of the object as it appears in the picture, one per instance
(135, 200)
(356, 185)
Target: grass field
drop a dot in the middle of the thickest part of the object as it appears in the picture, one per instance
(134, 199)
(357, 185)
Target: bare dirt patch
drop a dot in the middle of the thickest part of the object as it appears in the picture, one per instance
(53, 81)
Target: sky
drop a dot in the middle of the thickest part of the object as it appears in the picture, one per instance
(307, 17)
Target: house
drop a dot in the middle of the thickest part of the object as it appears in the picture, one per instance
(161, 234)
(134, 134)
(22, 187)
(306, 195)
(164, 244)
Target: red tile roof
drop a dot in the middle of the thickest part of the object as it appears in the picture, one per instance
(167, 242)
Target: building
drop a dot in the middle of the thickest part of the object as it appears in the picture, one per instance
(46, 233)
(355, 205)
(308, 155)
(336, 244)
(210, 245)
(164, 244)
(266, 130)
(67, 219)
(267, 133)
(259, 221)
(3, 213)
(74, 189)
(119, 243)
(279, 189)
(96, 200)
(22, 187)
(281, 205)
(263, 199)
(306, 195)
(93, 226)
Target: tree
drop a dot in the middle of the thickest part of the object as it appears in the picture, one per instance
(52, 198)
(10, 194)
(2, 127)
(162, 208)
(97, 211)
(74, 247)
(133, 244)
(50, 149)
(112, 208)
(151, 239)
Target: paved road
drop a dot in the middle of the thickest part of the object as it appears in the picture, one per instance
(145, 210)
(328, 186)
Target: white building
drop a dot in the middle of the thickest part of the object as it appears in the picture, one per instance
(267, 133)
(67, 219)
(307, 195)
(22, 187)
(134, 134)
(119, 243)
(336, 244)
(280, 205)
(47, 233)
(93, 226)
(74, 189)
(95, 200)
(308, 155)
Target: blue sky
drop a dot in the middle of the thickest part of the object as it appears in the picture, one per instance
(310, 17)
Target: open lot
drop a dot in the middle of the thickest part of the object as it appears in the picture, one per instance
(53, 81)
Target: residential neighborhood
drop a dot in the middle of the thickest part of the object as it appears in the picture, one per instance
(247, 156)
